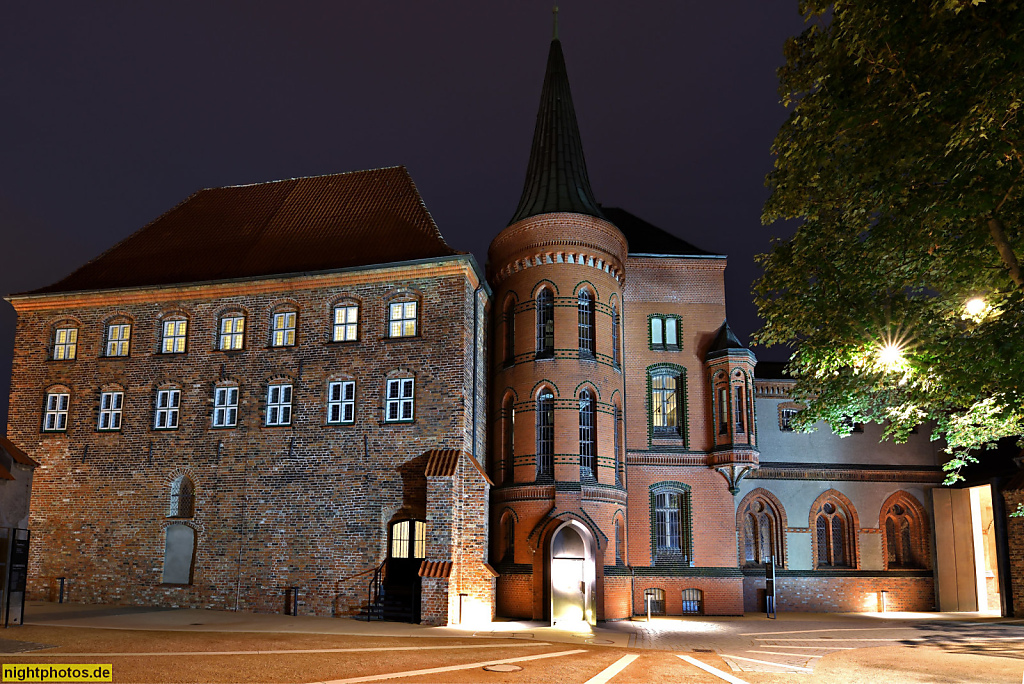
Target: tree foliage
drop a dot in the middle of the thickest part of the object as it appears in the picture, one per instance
(902, 159)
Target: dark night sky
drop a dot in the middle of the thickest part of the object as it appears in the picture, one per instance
(114, 112)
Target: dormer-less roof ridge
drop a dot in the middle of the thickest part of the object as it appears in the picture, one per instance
(299, 225)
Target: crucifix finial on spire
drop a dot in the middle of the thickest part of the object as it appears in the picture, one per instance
(554, 28)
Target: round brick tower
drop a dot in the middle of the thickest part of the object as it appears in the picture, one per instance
(557, 444)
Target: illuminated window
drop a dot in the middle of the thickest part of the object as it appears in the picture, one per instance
(585, 316)
(402, 319)
(118, 338)
(346, 323)
(341, 402)
(232, 332)
(588, 440)
(65, 344)
(665, 391)
(279, 404)
(167, 402)
(283, 329)
(174, 336)
(225, 406)
(545, 324)
(110, 411)
(400, 397)
(409, 536)
(55, 416)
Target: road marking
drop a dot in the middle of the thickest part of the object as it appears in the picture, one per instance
(840, 640)
(768, 662)
(285, 652)
(615, 668)
(810, 631)
(450, 668)
(795, 655)
(819, 648)
(712, 670)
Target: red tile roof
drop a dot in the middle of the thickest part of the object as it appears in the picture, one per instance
(435, 569)
(290, 226)
(443, 462)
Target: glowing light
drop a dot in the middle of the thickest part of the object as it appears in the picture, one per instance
(890, 355)
(975, 309)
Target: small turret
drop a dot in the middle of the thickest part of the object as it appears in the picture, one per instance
(730, 372)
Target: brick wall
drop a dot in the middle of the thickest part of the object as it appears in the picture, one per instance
(842, 594)
(1015, 534)
(305, 505)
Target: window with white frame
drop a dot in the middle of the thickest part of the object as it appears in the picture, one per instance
(174, 336)
(399, 400)
(341, 402)
(118, 339)
(232, 332)
(402, 319)
(279, 404)
(110, 410)
(664, 333)
(65, 344)
(167, 401)
(786, 416)
(346, 323)
(225, 406)
(55, 417)
(283, 329)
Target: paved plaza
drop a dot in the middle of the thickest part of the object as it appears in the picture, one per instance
(183, 645)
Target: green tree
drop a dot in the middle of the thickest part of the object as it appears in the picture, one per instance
(902, 290)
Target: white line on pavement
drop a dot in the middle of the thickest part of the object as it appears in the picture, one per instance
(809, 631)
(615, 668)
(795, 655)
(838, 640)
(285, 652)
(450, 668)
(712, 670)
(768, 662)
(821, 648)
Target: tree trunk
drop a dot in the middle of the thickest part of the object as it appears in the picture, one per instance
(995, 226)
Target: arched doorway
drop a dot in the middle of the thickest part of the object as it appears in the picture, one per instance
(407, 546)
(572, 575)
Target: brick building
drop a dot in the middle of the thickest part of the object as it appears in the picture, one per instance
(300, 386)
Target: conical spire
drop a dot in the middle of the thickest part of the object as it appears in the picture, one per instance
(556, 178)
(725, 340)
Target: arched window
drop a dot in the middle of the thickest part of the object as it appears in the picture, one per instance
(762, 527)
(654, 599)
(545, 324)
(666, 387)
(620, 543)
(615, 335)
(545, 434)
(670, 519)
(588, 436)
(510, 332)
(182, 503)
(508, 414)
(833, 530)
(903, 526)
(585, 314)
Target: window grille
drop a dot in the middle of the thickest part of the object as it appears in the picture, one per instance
(693, 602)
(655, 599)
(232, 332)
(55, 418)
(402, 319)
(65, 344)
(615, 335)
(284, 329)
(110, 410)
(668, 521)
(225, 407)
(167, 402)
(588, 442)
(400, 398)
(279, 404)
(182, 498)
(346, 323)
(618, 445)
(585, 315)
(174, 336)
(118, 338)
(341, 402)
(546, 435)
(545, 324)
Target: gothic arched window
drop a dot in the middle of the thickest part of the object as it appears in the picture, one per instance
(903, 526)
(545, 434)
(833, 535)
(585, 314)
(182, 498)
(545, 324)
(762, 527)
(588, 436)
